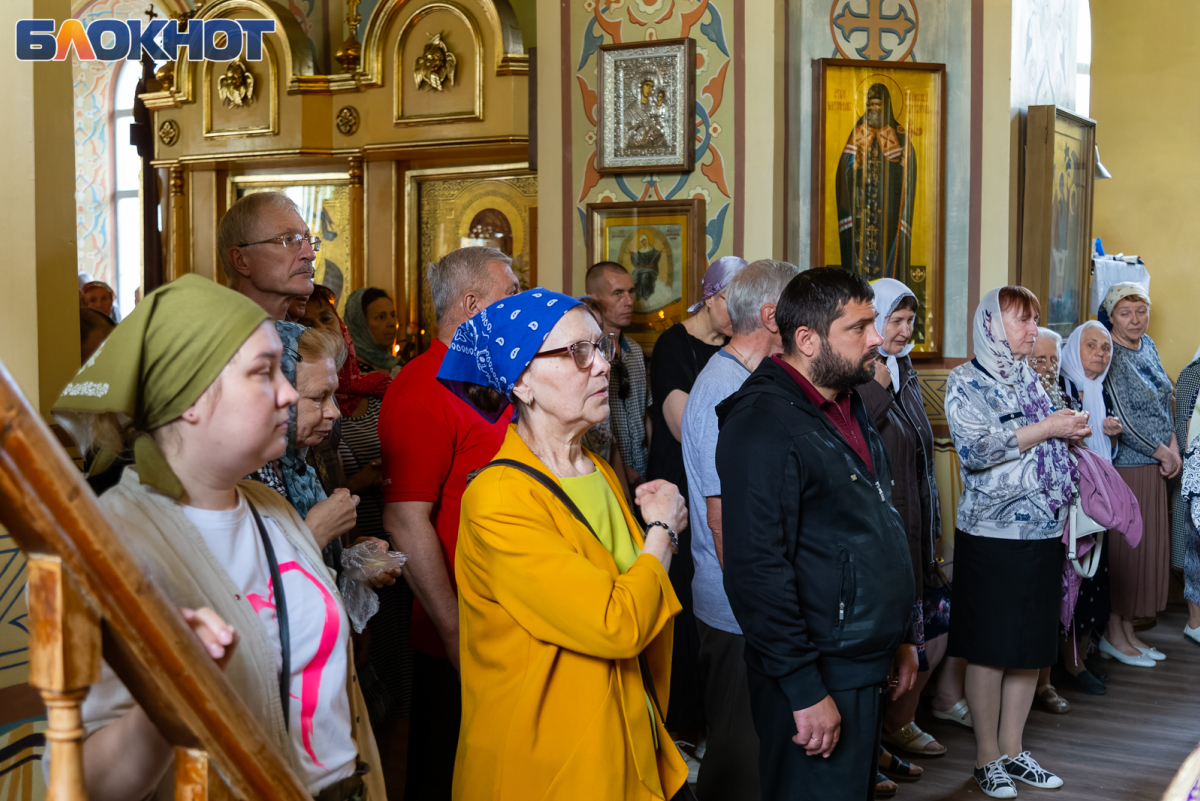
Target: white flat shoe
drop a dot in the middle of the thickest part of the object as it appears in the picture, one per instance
(1192, 634)
(1153, 653)
(960, 714)
(1108, 652)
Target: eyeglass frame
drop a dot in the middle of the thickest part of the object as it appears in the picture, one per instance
(596, 348)
(313, 241)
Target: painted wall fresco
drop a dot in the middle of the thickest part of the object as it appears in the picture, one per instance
(597, 22)
(94, 156)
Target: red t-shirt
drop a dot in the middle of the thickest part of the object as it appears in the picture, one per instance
(429, 440)
(838, 411)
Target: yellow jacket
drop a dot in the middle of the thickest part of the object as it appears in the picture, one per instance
(549, 635)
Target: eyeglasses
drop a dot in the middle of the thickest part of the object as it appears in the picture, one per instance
(585, 352)
(289, 241)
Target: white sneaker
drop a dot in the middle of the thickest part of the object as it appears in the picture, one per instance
(994, 780)
(1026, 769)
(693, 764)
(1192, 634)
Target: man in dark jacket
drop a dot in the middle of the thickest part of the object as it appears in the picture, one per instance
(817, 567)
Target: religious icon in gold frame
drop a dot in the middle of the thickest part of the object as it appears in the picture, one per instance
(879, 154)
(661, 244)
(450, 208)
(1056, 219)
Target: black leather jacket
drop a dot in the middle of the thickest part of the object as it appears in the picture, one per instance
(817, 567)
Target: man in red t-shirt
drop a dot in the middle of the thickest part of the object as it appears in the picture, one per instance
(430, 440)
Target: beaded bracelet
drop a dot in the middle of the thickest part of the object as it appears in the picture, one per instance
(670, 533)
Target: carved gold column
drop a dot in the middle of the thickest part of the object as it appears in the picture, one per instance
(177, 257)
(358, 273)
(64, 661)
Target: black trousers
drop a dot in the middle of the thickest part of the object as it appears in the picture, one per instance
(686, 711)
(433, 729)
(729, 771)
(786, 773)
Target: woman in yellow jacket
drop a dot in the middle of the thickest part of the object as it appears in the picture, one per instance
(555, 607)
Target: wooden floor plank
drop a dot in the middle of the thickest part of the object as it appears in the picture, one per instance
(1125, 746)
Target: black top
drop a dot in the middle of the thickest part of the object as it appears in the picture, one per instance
(817, 566)
(677, 360)
(908, 436)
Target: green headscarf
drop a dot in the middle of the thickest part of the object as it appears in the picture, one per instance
(158, 362)
(365, 345)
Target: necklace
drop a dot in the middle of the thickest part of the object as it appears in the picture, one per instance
(740, 357)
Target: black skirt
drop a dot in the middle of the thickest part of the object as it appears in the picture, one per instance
(1005, 601)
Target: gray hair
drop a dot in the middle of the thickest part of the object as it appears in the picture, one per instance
(1055, 337)
(240, 225)
(459, 272)
(757, 284)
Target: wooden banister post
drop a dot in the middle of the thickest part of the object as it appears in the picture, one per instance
(64, 661)
(196, 778)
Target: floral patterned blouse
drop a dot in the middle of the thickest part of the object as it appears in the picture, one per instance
(1002, 496)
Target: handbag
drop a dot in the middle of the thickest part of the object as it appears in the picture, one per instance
(1082, 525)
(685, 793)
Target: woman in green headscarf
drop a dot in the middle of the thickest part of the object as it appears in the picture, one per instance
(371, 321)
(200, 404)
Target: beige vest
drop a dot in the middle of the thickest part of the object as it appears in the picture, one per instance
(173, 553)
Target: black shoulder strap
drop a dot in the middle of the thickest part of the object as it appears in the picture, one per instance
(557, 492)
(281, 616)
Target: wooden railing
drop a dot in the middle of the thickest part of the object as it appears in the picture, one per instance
(87, 597)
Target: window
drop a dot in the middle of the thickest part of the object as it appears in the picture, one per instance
(126, 202)
(1083, 55)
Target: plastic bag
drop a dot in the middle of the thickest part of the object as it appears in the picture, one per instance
(361, 563)
(367, 560)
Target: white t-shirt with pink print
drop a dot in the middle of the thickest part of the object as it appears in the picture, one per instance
(320, 724)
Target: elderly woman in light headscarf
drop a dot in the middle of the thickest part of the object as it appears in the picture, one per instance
(1142, 396)
(565, 606)
(894, 402)
(1046, 361)
(1086, 357)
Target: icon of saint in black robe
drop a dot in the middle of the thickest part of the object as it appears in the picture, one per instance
(875, 189)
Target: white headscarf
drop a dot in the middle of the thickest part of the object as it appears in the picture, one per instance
(1092, 388)
(888, 294)
(1055, 473)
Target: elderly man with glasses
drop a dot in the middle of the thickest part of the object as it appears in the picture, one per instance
(268, 251)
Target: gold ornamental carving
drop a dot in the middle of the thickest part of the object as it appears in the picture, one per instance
(436, 65)
(347, 120)
(168, 132)
(236, 86)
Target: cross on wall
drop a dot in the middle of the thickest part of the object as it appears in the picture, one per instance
(874, 23)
